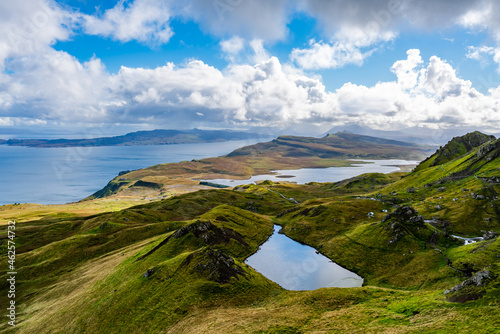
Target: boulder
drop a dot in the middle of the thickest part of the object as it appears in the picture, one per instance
(149, 273)
(411, 190)
(469, 289)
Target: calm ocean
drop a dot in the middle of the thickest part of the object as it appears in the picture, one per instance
(63, 175)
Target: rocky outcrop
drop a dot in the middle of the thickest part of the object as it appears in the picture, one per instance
(458, 146)
(204, 230)
(489, 151)
(149, 273)
(209, 233)
(470, 288)
(405, 214)
(490, 235)
(411, 190)
(214, 265)
(401, 221)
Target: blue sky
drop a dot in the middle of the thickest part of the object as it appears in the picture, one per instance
(304, 64)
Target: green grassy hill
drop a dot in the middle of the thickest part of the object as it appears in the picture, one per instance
(177, 265)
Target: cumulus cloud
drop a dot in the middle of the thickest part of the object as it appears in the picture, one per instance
(31, 26)
(57, 87)
(146, 21)
(405, 69)
(327, 56)
(232, 47)
(39, 84)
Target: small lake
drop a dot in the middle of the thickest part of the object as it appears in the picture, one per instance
(331, 174)
(298, 267)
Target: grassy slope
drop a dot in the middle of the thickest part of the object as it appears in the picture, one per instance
(85, 274)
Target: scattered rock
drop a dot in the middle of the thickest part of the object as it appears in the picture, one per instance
(477, 196)
(438, 207)
(411, 190)
(441, 189)
(149, 273)
(468, 289)
(490, 235)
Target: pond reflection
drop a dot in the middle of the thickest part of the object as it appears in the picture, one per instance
(299, 267)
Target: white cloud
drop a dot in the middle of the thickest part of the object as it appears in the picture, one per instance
(327, 56)
(31, 26)
(146, 21)
(405, 69)
(479, 52)
(39, 84)
(237, 50)
(441, 80)
(351, 45)
(232, 46)
(57, 88)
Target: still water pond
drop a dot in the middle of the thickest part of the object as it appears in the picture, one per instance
(298, 267)
(331, 174)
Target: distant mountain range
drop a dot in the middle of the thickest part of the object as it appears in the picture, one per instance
(155, 137)
(419, 135)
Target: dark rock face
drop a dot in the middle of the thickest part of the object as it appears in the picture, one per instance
(470, 288)
(405, 214)
(149, 273)
(209, 233)
(215, 266)
(402, 218)
(146, 184)
(411, 190)
(477, 196)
